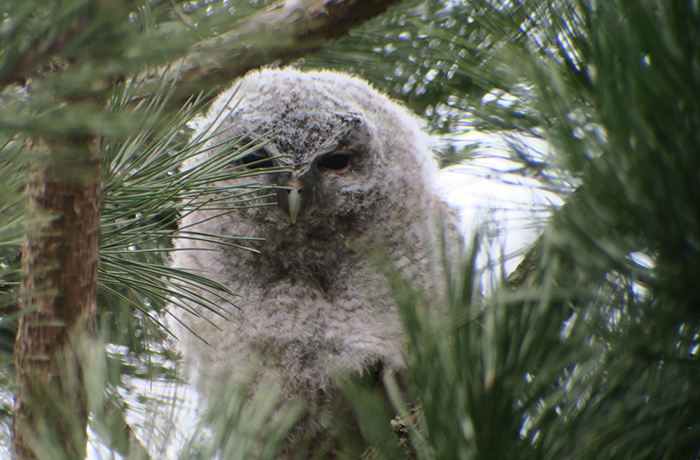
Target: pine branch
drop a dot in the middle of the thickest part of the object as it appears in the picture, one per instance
(48, 45)
(281, 34)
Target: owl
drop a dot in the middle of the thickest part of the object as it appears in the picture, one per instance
(341, 172)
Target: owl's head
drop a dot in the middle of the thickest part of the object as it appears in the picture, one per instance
(331, 148)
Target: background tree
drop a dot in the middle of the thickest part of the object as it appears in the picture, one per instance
(587, 350)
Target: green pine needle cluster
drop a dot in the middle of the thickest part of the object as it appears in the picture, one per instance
(587, 351)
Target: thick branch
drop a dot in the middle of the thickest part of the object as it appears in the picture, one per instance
(58, 296)
(279, 35)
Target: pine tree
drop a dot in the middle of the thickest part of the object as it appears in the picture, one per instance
(587, 350)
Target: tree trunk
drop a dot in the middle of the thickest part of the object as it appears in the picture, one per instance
(60, 258)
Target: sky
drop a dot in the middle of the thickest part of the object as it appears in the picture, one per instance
(508, 209)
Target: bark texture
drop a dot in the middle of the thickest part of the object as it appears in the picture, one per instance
(60, 260)
(285, 32)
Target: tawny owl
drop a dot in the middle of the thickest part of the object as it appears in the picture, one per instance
(345, 170)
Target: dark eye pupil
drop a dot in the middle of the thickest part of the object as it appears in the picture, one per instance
(256, 161)
(335, 161)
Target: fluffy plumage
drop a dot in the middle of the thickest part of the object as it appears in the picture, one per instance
(312, 308)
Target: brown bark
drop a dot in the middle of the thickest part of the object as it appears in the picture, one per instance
(60, 258)
(281, 34)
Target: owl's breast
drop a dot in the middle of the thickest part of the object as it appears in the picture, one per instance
(338, 318)
(315, 295)
(305, 246)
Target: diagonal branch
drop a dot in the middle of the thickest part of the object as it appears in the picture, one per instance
(281, 34)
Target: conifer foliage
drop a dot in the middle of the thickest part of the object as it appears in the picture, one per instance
(588, 350)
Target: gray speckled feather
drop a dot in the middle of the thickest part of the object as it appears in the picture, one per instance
(311, 307)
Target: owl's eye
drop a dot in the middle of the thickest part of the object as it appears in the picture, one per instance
(257, 160)
(335, 162)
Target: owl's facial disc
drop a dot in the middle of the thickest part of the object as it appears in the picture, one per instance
(313, 164)
(305, 185)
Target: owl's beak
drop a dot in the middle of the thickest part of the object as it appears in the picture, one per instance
(294, 198)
